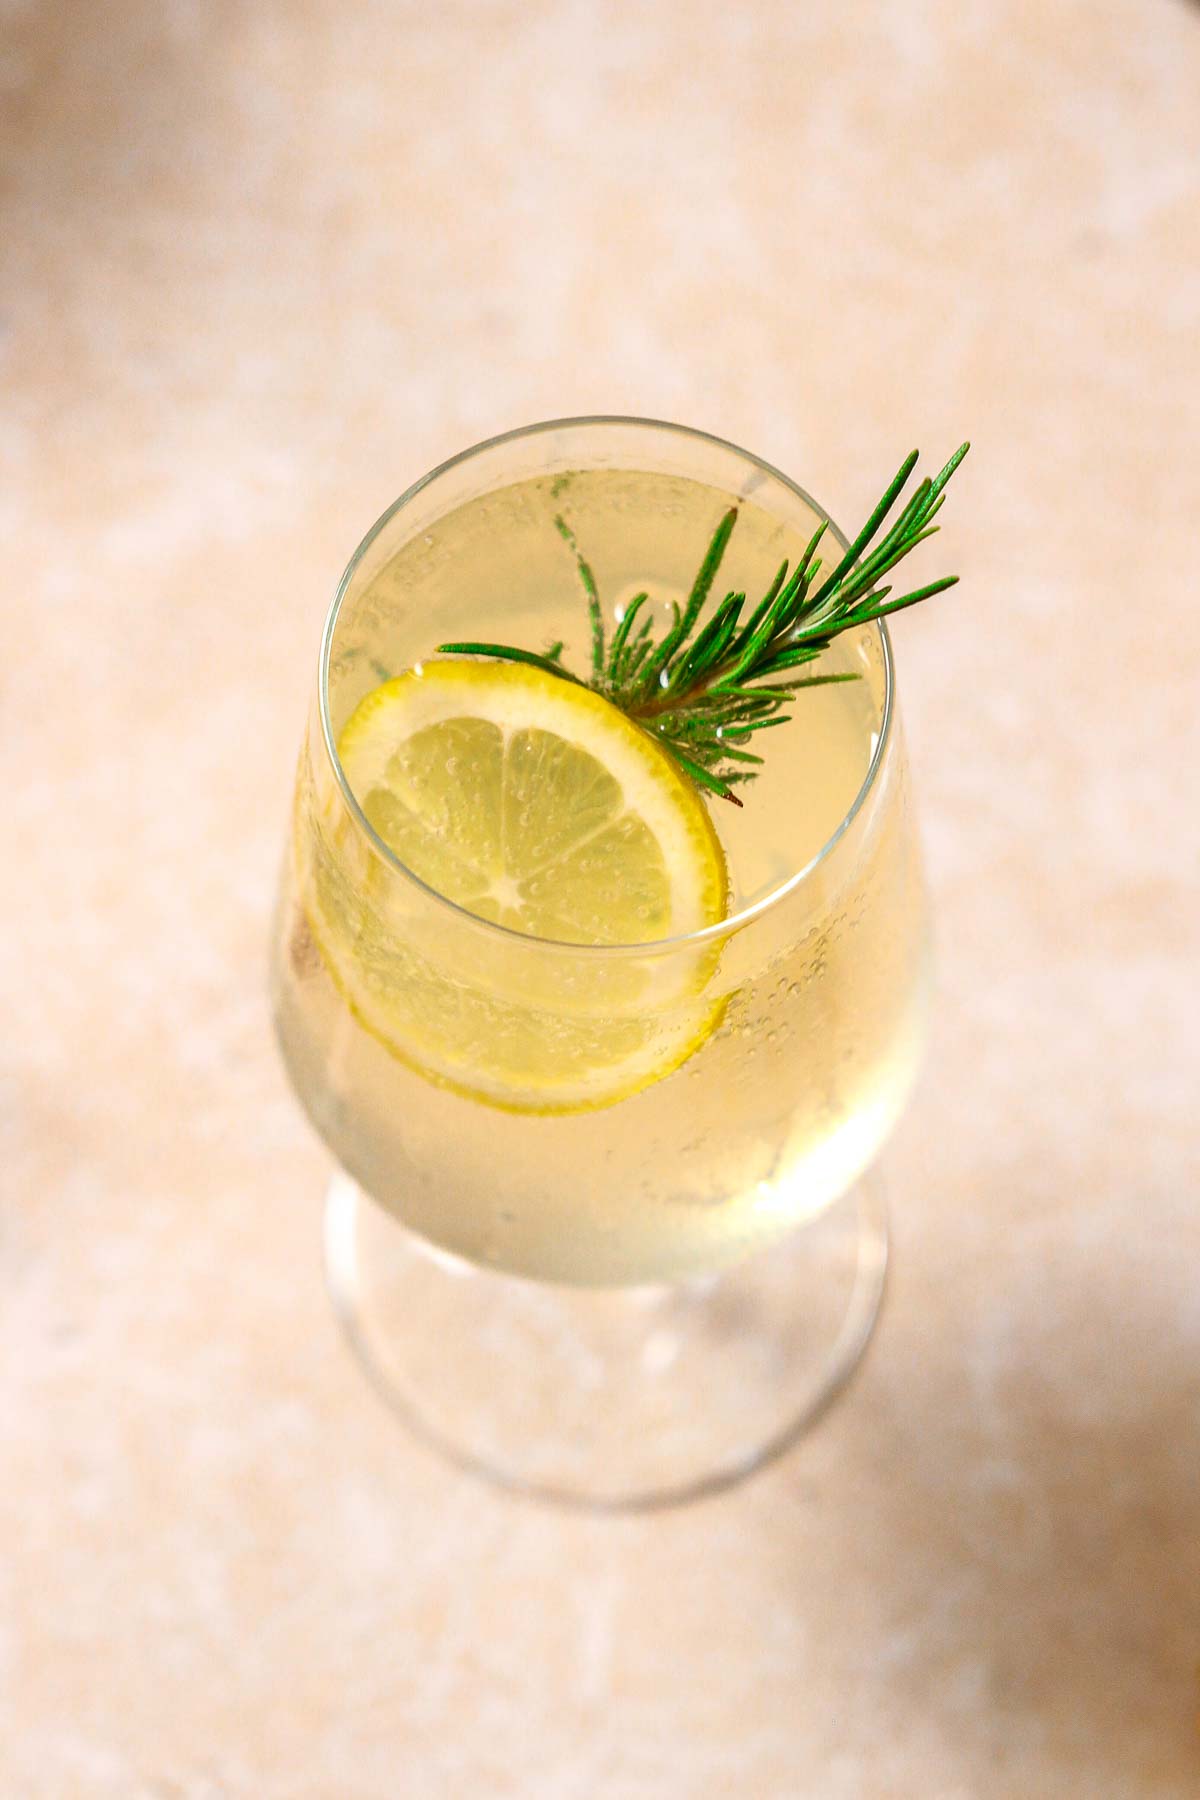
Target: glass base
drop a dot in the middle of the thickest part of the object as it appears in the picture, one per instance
(609, 1398)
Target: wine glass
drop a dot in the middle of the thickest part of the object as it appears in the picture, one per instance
(605, 1226)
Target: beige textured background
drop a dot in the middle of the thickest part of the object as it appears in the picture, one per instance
(261, 266)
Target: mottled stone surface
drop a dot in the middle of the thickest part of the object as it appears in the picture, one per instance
(261, 266)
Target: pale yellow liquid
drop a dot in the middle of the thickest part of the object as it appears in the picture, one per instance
(789, 1098)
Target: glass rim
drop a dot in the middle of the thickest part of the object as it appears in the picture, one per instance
(708, 934)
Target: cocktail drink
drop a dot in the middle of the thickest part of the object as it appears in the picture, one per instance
(562, 1011)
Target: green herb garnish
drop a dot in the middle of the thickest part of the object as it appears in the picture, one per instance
(703, 689)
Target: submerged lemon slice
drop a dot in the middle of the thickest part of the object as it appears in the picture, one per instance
(535, 804)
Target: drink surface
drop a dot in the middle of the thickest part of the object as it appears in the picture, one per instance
(810, 1013)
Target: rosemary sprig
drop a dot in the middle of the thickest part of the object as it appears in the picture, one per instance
(709, 685)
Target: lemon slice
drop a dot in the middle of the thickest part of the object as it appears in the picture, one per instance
(535, 804)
